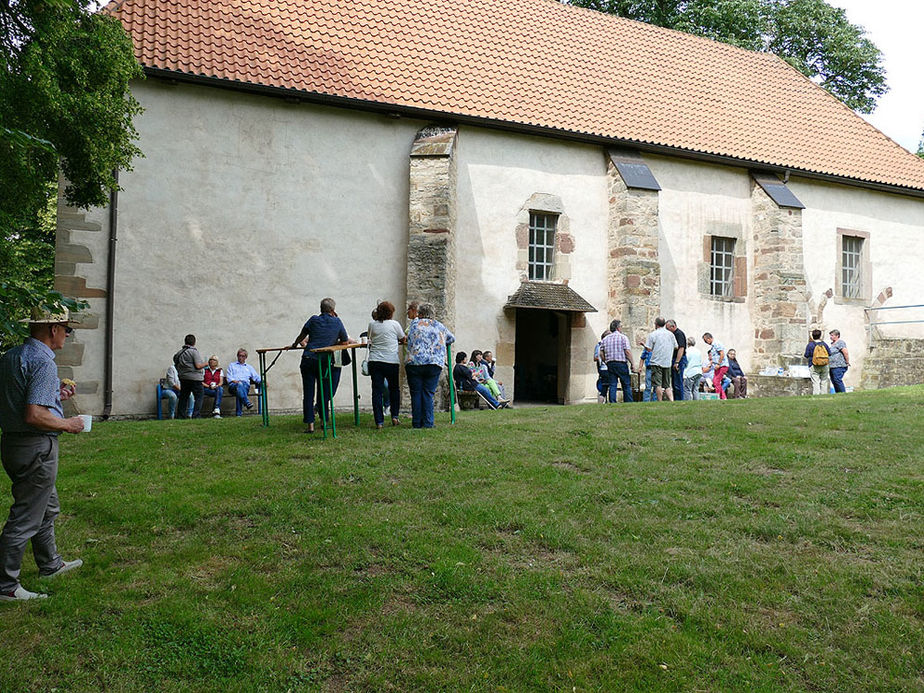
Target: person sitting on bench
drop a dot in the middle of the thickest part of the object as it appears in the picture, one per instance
(239, 375)
(211, 384)
(465, 381)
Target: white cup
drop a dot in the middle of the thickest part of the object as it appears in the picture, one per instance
(87, 422)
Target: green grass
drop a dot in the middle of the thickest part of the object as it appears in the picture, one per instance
(762, 544)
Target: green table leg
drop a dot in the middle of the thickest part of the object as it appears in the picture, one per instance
(452, 386)
(330, 380)
(323, 403)
(263, 398)
(355, 392)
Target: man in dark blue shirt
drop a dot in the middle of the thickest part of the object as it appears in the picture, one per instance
(31, 419)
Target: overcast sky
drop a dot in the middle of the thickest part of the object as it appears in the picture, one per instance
(895, 26)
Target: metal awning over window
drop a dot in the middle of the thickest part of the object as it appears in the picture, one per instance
(548, 296)
(777, 190)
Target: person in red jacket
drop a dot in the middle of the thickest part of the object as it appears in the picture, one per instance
(211, 384)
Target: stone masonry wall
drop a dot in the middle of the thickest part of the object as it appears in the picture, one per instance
(780, 292)
(431, 251)
(633, 267)
(893, 362)
(69, 280)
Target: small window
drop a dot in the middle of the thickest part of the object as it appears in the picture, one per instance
(851, 263)
(722, 266)
(541, 244)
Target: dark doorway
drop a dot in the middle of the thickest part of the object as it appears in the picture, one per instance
(540, 368)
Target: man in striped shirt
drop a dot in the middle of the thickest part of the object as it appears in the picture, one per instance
(617, 354)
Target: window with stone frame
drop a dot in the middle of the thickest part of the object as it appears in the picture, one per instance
(723, 273)
(722, 267)
(542, 227)
(853, 267)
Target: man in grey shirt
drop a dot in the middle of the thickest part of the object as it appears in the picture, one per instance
(31, 418)
(189, 366)
(661, 344)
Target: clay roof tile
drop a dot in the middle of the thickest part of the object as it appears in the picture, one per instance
(528, 62)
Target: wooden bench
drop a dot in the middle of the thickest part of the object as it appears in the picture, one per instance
(468, 400)
(225, 397)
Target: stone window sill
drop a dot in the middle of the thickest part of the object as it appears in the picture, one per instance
(861, 302)
(724, 299)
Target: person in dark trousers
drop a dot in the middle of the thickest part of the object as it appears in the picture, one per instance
(31, 418)
(840, 360)
(319, 331)
(190, 366)
(616, 353)
(736, 373)
(466, 382)
(679, 362)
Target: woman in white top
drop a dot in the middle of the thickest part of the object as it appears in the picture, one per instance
(694, 371)
(385, 335)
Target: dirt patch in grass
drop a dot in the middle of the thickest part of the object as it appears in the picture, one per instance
(569, 466)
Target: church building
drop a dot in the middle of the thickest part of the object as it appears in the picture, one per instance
(532, 169)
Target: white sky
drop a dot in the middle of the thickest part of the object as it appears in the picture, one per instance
(895, 26)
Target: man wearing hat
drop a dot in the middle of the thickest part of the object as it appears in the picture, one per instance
(31, 419)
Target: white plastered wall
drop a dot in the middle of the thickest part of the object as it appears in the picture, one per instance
(497, 174)
(896, 242)
(244, 212)
(697, 200)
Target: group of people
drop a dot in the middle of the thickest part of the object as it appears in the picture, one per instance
(827, 362)
(424, 340)
(478, 376)
(675, 369)
(190, 379)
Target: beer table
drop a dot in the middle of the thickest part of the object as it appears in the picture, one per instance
(326, 356)
(326, 359)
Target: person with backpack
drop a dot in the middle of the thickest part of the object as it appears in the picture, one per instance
(818, 355)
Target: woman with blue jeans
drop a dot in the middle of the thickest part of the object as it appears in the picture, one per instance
(427, 338)
(385, 335)
(839, 362)
(319, 331)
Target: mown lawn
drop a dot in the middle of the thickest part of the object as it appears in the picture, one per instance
(759, 545)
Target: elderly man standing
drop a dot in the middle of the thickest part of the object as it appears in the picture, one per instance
(190, 366)
(31, 418)
(616, 353)
(239, 375)
(662, 345)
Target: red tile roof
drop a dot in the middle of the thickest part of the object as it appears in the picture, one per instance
(534, 63)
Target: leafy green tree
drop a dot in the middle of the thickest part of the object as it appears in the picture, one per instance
(65, 108)
(812, 36)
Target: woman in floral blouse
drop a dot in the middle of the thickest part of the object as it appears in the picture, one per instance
(427, 338)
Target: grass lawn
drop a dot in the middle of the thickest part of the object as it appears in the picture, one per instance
(762, 544)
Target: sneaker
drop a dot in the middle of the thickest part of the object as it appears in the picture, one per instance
(216, 416)
(216, 410)
(21, 594)
(249, 406)
(66, 567)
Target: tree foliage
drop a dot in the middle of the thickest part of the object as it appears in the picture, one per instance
(812, 36)
(65, 108)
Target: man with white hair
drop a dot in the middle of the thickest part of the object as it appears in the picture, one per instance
(31, 418)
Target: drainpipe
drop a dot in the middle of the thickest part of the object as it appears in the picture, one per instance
(110, 294)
